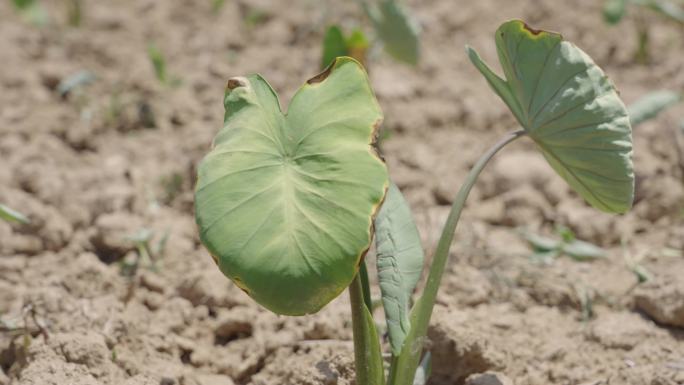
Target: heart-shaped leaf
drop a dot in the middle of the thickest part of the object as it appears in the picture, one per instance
(284, 202)
(400, 263)
(567, 105)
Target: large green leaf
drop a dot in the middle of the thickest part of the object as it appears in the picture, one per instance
(400, 263)
(285, 201)
(567, 105)
(397, 30)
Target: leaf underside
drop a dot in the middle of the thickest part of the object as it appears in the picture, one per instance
(400, 262)
(284, 202)
(568, 106)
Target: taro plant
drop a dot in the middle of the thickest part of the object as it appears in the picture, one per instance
(394, 27)
(615, 10)
(288, 203)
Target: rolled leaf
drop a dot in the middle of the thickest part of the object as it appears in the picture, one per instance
(583, 251)
(567, 105)
(651, 104)
(284, 202)
(400, 262)
(398, 31)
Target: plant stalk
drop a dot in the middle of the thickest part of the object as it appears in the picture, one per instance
(365, 285)
(405, 365)
(367, 354)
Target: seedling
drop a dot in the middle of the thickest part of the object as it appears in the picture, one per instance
(74, 12)
(615, 10)
(147, 254)
(394, 28)
(336, 44)
(288, 203)
(74, 82)
(547, 249)
(32, 11)
(158, 61)
(12, 216)
(652, 104)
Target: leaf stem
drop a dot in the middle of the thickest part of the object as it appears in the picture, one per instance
(367, 355)
(404, 367)
(365, 285)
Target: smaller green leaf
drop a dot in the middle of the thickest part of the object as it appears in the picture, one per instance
(540, 243)
(158, 62)
(79, 79)
(23, 4)
(641, 273)
(583, 251)
(400, 263)
(614, 10)
(398, 31)
(424, 370)
(334, 45)
(668, 8)
(651, 104)
(10, 215)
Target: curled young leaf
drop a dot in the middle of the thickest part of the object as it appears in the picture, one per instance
(567, 105)
(400, 263)
(651, 104)
(397, 30)
(284, 202)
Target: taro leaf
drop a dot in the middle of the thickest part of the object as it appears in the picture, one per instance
(284, 202)
(334, 45)
(400, 262)
(357, 45)
(11, 215)
(614, 10)
(651, 104)
(397, 30)
(567, 105)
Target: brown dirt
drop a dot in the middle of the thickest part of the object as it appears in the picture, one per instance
(92, 168)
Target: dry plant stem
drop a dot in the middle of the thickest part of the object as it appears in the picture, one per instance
(404, 366)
